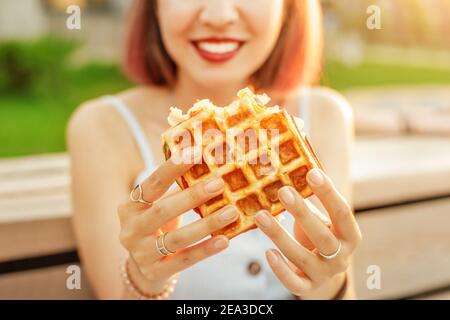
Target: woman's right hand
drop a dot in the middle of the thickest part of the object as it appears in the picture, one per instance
(141, 224)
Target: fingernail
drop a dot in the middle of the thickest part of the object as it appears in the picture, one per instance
(262, 217)
(214, 186)
(315, 177)
(220, 243)
(229, 214)
(287, 196)
(272, 257)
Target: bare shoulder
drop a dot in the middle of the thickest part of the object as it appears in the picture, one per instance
(331, 105)
(92, 120)
(96, 119)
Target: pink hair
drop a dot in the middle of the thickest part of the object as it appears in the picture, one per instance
(296, 59)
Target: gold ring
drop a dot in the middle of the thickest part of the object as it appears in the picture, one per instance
(161, 246)
(139, 198)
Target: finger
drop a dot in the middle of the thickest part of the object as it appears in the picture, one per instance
(128, 210)
(194, 232)
(165, 175)
(300, 234)
(157, 184)
(296, 253)
(318, 213)
(340, 212)
(296, 284)
(188, 257)
(320, 235)
(168, 208)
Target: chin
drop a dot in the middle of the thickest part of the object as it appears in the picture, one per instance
(214, 78)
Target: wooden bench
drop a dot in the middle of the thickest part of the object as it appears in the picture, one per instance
(402, 199)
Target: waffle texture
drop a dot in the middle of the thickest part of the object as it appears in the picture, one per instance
(255, 149)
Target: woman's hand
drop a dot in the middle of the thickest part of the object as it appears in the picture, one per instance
(306, 270)
(141, 224)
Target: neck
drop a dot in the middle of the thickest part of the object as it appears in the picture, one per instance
(187, 92)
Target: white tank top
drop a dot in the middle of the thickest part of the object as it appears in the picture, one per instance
(226, 275)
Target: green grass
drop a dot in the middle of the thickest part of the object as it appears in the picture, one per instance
(370, 74)
(35, 123)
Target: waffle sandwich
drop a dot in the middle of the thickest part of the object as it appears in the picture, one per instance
(255, 149)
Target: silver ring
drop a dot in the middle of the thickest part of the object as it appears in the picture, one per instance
(161, 246)
(140, 195)
(333, 255)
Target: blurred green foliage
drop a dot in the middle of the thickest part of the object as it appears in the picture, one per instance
(340, 76)
(34, 66)
(39, 90)
(35, 122)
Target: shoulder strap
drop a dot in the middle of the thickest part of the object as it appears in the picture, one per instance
(303, 107)
(135, 129)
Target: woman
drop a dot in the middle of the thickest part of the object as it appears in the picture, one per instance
(181, 51)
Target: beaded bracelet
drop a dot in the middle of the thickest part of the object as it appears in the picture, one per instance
(137, 293)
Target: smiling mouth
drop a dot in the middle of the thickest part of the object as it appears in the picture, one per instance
(217, 50)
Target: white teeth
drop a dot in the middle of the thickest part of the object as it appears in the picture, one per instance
(218, 47)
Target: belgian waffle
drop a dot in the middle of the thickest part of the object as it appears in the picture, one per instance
(253, 163)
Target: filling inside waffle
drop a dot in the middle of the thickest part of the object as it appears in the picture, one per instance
(255, 149)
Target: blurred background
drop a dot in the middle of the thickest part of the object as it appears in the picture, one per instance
(396, 78)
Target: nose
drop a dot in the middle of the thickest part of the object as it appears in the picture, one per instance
(219, 13)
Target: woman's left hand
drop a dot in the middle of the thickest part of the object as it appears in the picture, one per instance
(307, 267)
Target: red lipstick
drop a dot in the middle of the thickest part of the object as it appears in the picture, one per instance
(217, 50)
